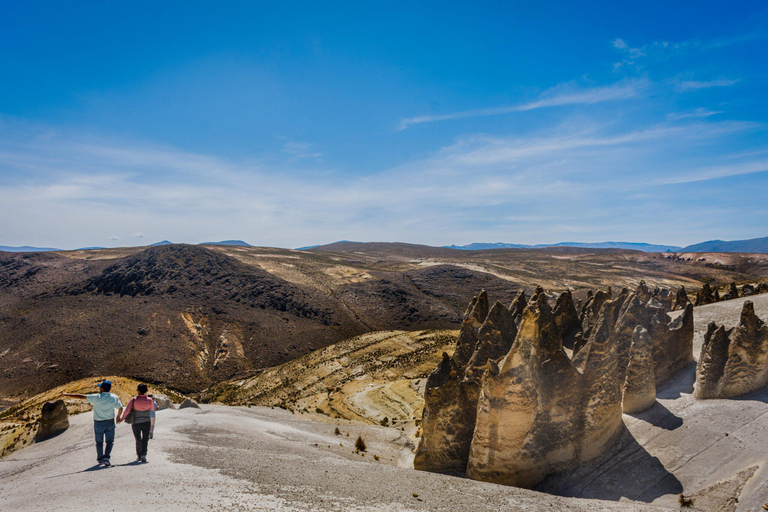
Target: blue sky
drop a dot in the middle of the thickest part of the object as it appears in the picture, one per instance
(292, 124)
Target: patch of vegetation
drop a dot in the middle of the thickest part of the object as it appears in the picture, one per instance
(685, 501)
(360, 444)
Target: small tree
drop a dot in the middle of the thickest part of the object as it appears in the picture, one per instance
(360, 444)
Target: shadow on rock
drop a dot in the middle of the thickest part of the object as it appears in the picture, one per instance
(659, 416)
(626, 471)
(681, 383)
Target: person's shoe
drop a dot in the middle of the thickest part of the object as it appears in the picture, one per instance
(143, 459)
(138, 459)
(105, 462)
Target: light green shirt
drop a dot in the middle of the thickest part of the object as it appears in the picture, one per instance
(104, 405)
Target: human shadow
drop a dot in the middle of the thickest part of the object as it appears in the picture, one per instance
(627, 471)
(96, 467)
(659, 416)
(681, 382)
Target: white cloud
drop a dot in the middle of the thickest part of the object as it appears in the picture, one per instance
(527, 188)
(697, 113)
(694, 84)
(562, 95)
(113, 237)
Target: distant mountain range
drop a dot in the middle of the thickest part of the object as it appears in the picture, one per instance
(754, 245)
(27, 248)
(598, 245)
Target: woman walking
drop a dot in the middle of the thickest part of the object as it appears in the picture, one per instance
(141, 406)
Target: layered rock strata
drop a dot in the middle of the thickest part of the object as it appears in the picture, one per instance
(733, 362)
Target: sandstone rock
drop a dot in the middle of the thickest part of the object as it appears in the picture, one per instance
(642, 292)
(567, 319)
(54, 420)
(705, 296)
(449, 402)
(733, 362)
(163, 402)
(518, 305)
(711, 364)
(639, 385)
(536, 413)
(716, 295)
(672, 343)
(747, 290)
(733, 292)
(762, 288)
(187, 403)
(681, 299)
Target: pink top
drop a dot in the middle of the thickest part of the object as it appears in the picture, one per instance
(139, 403)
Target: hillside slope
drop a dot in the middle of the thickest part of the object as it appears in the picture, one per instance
(192, 316)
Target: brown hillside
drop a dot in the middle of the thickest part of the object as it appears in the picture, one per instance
(190, 316)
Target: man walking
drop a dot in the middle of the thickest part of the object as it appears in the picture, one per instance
(104, 405)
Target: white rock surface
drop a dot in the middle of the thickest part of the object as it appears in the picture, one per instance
(239, 458)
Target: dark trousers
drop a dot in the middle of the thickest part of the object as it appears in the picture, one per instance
(104, 429)
(141, 433)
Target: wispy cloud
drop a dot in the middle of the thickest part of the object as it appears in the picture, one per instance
(719, 172)
(559, 96)
(524, 188)
(697, 113)
(695, 84)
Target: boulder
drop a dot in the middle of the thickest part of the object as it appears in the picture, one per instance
(761, 288)
(163, 402)
(187, 403)
(54, 420)
(747, 290)
(733, 362)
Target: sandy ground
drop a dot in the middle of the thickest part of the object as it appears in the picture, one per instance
(239, 458)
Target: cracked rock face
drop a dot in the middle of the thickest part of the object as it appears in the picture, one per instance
(733, 362)
(567, 319)
(54, 420)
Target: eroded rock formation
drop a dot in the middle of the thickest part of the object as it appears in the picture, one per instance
(449, 403)
(681, 299)
(519, 407)
(733, 362)
(640, 383)
(54, 420)
(536, 412)
(705, 296)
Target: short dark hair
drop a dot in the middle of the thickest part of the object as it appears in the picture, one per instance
(106, 386)
(142, 388)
